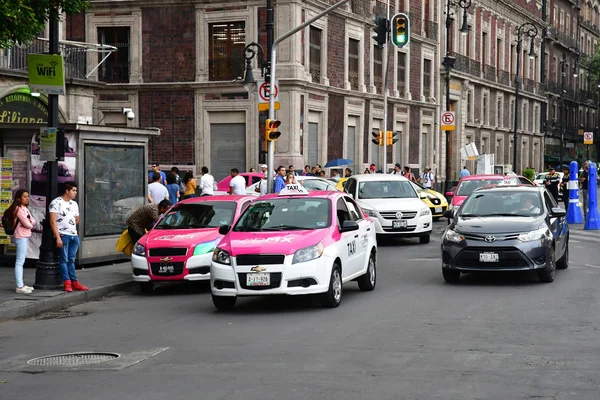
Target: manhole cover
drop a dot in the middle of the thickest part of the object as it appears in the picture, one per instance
(73, 359)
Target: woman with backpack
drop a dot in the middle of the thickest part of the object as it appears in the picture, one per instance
(18, 222)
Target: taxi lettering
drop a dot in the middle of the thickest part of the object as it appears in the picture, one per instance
(270, 239)
(175, 237)
(351, 248)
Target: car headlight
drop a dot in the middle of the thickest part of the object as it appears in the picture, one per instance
(206, 247)
(139, 250)
(425, 211)
(370, 213)
(308, 254)
(453, 236)
(538, 234)
(220, 256)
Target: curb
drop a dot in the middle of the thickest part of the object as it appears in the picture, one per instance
(61, 301)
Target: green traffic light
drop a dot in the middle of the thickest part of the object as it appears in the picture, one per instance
(400, 38)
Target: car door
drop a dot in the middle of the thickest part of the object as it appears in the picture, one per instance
(557, 225)
(349, 240)
(365, 234)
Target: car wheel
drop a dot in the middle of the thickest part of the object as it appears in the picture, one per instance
(425, 238)
(224, 303)
(547, 275)
(146, 287)
(333, 297)
(451, 275)
(368, 281)
(563, 263)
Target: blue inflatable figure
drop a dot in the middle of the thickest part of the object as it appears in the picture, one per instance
(592, 219)
(574, 215)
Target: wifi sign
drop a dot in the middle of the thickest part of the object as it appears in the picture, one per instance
(48, 71)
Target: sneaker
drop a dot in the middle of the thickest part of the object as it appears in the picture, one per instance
(67, 286)
(23, 290)
(29, 287)
(79, 286)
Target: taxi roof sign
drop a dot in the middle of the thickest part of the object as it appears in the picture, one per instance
(292, 189)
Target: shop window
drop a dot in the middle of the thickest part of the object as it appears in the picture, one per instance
(115, 181)
(116, 68)
(227, 41)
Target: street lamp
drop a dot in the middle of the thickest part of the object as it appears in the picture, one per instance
(449, 64)
(251, 51)
(531, 31)
(590, 101)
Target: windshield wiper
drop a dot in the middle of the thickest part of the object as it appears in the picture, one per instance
(284, 228)
(246, 229)
(470, 215)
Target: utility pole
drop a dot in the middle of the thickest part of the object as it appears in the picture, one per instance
(47, 274)
(563, 74)
(386, 57)
(270, 144)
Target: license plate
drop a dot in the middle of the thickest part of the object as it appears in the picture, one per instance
(258, 279)
(438, 210)
(166, 269)
(488, 257)
(399, 224)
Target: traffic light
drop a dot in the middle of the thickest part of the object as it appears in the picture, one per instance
(390, 138)
(400, 29)
(378, 138)
(271, 132)
(381, 31)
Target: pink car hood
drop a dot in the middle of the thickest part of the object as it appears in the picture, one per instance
(286, 242)
(179, 237)
(458, 200)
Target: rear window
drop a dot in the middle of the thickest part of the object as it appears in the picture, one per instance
(467, 187)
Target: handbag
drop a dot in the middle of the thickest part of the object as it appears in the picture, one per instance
(125, 244)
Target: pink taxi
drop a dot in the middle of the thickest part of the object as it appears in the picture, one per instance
(295, 243)
(180, 245)
(250, 177)
(468, 184)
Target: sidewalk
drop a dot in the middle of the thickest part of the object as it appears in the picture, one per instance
(101, 280)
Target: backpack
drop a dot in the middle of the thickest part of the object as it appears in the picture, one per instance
(9, 227)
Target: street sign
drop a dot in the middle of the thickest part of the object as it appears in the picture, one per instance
(263, 95)
(588, 138)
(46, 73)
(448, 121)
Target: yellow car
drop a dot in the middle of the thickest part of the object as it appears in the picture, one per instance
(341, 183)
(436, 202)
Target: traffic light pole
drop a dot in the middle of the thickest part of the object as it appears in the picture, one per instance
(386, 57)
(273, 55)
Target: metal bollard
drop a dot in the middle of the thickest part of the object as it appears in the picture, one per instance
(592, 219)
(574, 215)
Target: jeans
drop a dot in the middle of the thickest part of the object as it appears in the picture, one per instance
(21, 244)
(67, 257)
(584, 200)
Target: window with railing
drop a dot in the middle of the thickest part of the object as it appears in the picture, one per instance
(227, 41)
(378, 68)
(401, 71)
(116, 68)
(427, 81)
(353, 46)
(315, 35)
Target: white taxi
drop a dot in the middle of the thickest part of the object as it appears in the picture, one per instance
(393, 203)
(295, 243)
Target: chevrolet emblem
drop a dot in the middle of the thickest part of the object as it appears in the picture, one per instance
(258, 268)
(166, 259)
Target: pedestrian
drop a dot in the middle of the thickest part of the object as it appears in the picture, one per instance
(373, 168)
(347, 173)
(156, 168)
(156, 190)
(252, 170)
(190, 185)
(290, 179)
(565, 187)
(263, 168)
(143, 218)
(322, 174)
(551, 181)
(306, 170)
(207, 183)
(408, 174)
(22, 223)
(335, 175)
(427, 178)
(64, 218)
(172, 189)
(237, 185)
(583, 182)
(178, 181)
(262, 186)
(397, 169)
(279, 182)
(292, 170)
(464, 172)
(367, 171)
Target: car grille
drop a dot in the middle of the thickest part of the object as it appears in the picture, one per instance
(259, 259)
(275, 282)
(392, 214)
(399, 230)
(168, 251)
(497, 238)
(177, 269)
(508, 258)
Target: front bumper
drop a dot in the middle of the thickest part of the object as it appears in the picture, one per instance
(194, 268)
(290, 279)
(417, 226)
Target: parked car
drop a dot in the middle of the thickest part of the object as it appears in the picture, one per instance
(250, 177)
(436, 202)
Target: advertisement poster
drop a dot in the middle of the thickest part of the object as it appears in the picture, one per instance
(6, 184)
(47, 144)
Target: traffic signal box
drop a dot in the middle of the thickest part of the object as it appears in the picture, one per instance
(378, 138)
(400, 30)
(381, 31)
(390, 138)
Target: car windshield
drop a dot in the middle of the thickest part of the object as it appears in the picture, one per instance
(292, 213)
(417, 186)
(467, 187)
(386, 190)
(540, 177)
(198, 215)
(317, 184)
(502, 204)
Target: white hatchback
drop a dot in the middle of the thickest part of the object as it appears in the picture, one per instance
(394, 205)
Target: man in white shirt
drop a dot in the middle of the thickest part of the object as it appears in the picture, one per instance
(427, 178)
(157, 192)
(207, 183)
(238, 183)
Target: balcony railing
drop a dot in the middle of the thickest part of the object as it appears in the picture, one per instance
(466, 65)
(431, 29)
(489, 73)
(353, 79)
(564, 38)
(226, 68)
(504, 77)
(591, 26)
(114, 72)
(15, 58)
(529, 85)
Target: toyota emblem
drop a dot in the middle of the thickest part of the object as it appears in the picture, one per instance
(399, 215)
(490, 239)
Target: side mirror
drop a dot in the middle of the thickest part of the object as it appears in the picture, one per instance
(449, 214)
(449, 194)
(224, 229)
(558, 212)
(349, 226)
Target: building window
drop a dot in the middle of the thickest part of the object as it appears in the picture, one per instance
(427, 81)
(469, 106)
(499, 151)
(485, 110)
(315, 54)
(378, 68)
(511, 111)
(116, 68)
(499, 113)
(513, 51)
(484, 49)
(499, 65)
(353, 63)
(484, 145)
(401, 73)
(227, 41)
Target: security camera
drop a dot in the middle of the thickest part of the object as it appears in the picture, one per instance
(129, 113)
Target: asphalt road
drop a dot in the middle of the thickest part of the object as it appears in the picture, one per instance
(414, 337)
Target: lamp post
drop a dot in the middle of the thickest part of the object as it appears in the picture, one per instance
(531, 31)
(448, 63)
(588, 124)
